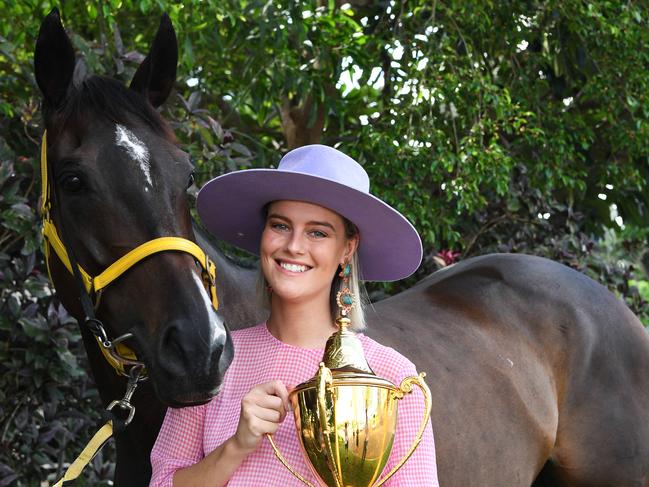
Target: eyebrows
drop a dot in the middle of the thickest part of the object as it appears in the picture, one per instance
(312, 222)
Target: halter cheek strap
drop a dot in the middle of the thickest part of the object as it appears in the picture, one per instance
(117, 354)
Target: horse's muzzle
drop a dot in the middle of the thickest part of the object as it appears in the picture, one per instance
(190, 361)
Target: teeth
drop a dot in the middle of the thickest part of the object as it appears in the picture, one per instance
(293, 267)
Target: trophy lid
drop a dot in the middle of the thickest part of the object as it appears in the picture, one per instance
(345, 358)
(344, 351)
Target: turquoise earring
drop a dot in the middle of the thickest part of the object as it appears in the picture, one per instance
(345, 298)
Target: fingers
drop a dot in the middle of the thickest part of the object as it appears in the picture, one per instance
(278, 389)
(272, 404)
(257, 426)
(262, 410)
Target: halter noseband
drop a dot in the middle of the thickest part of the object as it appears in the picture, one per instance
(115, 352)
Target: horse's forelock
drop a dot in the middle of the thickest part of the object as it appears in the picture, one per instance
(102, 97)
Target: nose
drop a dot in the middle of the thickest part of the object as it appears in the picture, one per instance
(183, 340)
(295, 244)
(175, 349)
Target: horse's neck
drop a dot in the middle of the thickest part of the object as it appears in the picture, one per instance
(235, 286)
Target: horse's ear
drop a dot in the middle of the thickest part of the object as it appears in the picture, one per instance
(53, 60)
(157, 74)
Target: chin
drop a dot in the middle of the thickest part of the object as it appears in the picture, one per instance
(291, 296)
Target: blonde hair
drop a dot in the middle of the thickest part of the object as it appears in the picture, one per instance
(357, 314)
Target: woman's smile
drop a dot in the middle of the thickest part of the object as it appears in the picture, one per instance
(292, 267)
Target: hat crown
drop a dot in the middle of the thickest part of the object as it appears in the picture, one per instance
(326, 162)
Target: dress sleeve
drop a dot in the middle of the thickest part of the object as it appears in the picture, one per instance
(179, 444)
(421, 468)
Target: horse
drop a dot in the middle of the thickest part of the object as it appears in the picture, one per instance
(539, 375)
(115, 211)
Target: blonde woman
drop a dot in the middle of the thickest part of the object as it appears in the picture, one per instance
(310, 220)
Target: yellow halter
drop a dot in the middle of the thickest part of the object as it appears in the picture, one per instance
(95, 285)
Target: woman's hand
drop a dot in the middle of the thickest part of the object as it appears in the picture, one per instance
(262, 411)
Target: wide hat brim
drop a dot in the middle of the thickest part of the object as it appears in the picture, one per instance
(231, 207)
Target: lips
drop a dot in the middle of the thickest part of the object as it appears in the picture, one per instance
(293, 267)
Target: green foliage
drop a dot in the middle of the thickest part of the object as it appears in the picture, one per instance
(48, 406)
(492, 126)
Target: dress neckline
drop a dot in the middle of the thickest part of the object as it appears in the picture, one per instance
(277, 342)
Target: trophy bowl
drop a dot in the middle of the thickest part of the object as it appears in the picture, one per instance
(348, 438)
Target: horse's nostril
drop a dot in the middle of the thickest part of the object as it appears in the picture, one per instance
(185, 348)
(176, 351)
(171, 342)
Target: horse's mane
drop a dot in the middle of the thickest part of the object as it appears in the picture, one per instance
(105, 98)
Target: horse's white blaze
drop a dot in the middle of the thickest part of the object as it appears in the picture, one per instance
(136, 149)
(216, 334)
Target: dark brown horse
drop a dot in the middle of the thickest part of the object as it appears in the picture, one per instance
(117, 180)
(539, 375)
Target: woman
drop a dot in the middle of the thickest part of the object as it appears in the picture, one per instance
(307, 220)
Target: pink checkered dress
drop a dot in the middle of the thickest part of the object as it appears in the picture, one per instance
(188, 434)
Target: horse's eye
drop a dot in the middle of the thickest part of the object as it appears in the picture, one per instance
(190, 182)
(71, 183)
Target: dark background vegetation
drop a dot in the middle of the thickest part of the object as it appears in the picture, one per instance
(494, 126)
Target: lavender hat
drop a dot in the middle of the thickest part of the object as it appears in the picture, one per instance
(232, 207)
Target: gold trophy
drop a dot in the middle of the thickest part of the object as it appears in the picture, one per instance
(346, 416)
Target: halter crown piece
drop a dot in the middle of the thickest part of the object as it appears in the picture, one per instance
(115, 352)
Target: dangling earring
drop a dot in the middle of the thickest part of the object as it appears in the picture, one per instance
(345, 298)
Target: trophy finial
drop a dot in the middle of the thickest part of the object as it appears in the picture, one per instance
(344, 351)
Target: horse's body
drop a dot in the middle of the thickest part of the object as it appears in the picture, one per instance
(539, 375)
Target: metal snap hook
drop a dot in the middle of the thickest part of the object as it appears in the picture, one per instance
(125, 402)
(97, 328)
(125, 405)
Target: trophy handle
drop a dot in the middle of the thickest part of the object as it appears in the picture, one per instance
(281, 458)
(406, 388)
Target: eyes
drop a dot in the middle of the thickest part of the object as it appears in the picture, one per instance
(71, 182)
(283, 227)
